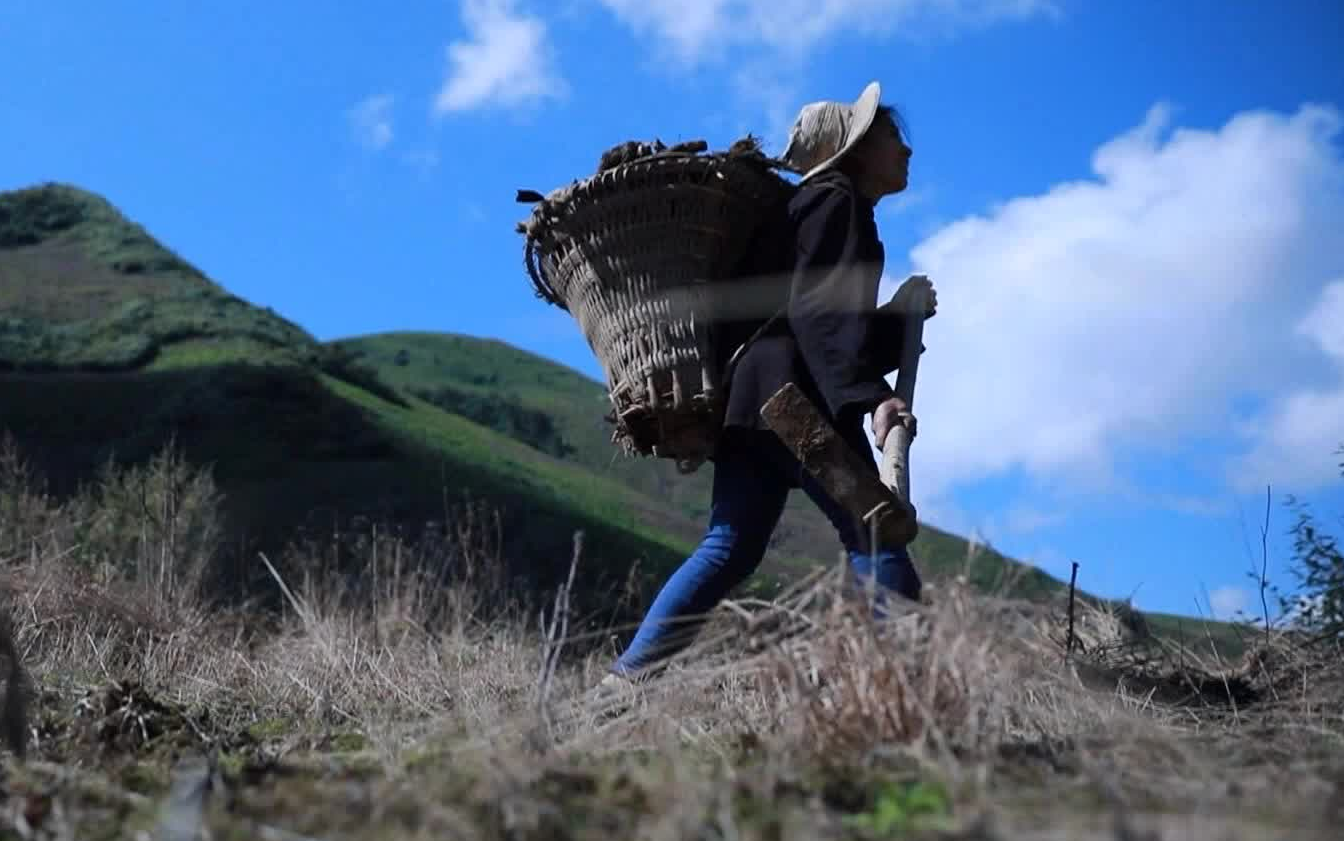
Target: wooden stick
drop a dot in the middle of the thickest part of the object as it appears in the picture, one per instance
(895, 468)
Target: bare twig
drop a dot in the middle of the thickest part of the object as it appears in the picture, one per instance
(1264, 563)
(299, 607)
(1073, 581)
(554, 638)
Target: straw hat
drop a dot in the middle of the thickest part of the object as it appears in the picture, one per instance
(825, 131)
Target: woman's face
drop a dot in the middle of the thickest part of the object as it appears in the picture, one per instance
(886, 158)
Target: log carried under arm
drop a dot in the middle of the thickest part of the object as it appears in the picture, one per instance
(839, 470)
(882, 501)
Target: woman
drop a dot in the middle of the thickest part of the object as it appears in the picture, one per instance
(829, 341)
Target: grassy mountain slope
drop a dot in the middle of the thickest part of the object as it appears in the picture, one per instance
(559, 410)
(111, 345)
(81, 287)
(556, 409)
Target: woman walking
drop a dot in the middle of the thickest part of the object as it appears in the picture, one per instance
(828, 340)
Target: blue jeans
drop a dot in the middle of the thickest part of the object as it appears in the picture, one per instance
(753, 475)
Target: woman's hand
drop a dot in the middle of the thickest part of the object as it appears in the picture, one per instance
(914, 285)
(889, 414)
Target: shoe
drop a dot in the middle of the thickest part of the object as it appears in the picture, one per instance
(612, 695)
(614, 683)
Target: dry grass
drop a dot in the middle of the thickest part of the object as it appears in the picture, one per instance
(403, 708)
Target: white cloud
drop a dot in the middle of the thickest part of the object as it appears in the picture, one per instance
(508, 61)
(1122, 314)
(1228, 602)
(692, 30)
(1296, 440)
(371, 121)
(1325, 323)
(904, 201)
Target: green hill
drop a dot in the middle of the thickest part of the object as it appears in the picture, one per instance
(557, 410)
(111, 345)
(82, 288)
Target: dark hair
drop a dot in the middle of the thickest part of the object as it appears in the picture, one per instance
(850, 163)
(891, 113)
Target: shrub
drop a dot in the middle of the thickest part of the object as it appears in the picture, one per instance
(340, 361)
(1318, 565)
(530, 426)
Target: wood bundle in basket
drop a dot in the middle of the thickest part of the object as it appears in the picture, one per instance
(637, 254)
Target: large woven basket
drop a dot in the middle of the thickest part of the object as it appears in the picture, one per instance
(638, 254)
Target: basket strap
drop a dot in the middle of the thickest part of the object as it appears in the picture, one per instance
(742, 348)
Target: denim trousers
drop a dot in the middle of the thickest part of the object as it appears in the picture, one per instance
(753, 475)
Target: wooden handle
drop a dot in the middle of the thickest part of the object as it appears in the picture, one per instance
(913, 342)
(895, 467)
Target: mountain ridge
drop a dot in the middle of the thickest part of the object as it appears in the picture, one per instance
(85, 291)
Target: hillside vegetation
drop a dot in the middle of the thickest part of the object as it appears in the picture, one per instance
(426, 702)
(111, 346)
(559, 410)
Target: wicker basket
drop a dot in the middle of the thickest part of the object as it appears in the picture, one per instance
(636, 254)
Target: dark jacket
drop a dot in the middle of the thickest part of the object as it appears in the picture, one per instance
(820, 261)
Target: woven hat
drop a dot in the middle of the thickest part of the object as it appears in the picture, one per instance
(825, 131)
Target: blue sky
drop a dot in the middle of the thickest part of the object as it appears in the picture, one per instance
(1131, 212)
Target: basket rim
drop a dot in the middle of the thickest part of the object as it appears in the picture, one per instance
(585, 189)
(549, 210)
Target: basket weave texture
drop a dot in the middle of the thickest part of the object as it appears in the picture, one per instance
(638, 254)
